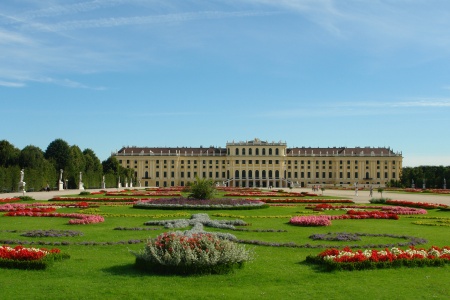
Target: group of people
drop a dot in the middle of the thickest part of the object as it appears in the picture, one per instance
(316, 188)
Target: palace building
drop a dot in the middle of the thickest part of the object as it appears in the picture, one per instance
(259, 163)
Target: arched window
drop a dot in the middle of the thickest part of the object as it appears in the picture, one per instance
(243, 151)
(270, 151)
(277, 152)
(277, 174)
(250, 174)
(237, 151)
(250, 151)
(256, 151)
(146, 174)
(367, 175)
(270, 173)
(236, 174)
(257, 174)
(263, 174)
(243, 174)
(263, 151)
(228, 151)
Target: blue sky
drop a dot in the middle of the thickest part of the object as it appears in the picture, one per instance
(320, 73)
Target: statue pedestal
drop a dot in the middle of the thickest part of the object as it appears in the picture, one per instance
(81, 186)
(60, 186)
(103, 185)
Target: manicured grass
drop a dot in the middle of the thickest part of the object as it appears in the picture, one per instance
(107, 272)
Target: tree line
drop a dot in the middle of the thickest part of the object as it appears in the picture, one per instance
(42, 168)
(433, 177)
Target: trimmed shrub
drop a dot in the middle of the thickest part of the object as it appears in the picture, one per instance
(197, 253)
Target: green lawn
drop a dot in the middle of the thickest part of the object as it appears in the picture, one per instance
(107, 272)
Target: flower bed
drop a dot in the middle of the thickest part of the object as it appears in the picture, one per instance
(399, 210)
(306, 201)
(424, 205)
(258, 193)
(92, 199)
(20, 257)
(351, 214)
(347, 259)
(203, 253)
(310, 221)
(148, 193)
(78, 218)
(7, 200)
(183, 203)
(410, 241)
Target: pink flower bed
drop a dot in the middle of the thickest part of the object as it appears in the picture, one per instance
(310, 221)
(78, 218)
(348, 255)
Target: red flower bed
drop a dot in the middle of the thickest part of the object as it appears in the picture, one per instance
(399, 210)
(424, 205)
(21, 253)
(354, 214)
(267, 194)
(6, 200)
(90, 199)
(268, 200)
(155, 193)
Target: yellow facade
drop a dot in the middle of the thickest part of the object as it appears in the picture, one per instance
(259, 163)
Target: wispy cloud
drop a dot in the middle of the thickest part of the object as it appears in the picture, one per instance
(143, 20)
(421, 103)
(12, 84)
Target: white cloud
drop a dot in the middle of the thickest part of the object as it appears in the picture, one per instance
(142, 20)
(11, 84)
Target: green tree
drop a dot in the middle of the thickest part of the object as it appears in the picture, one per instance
(9, 154)
(31, 157)
(38, 171)
(93, 170)
(381, 190)
(58, 153)
(75, 165)
(202, 188)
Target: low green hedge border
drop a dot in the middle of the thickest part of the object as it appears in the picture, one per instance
(40, 264)
(368, 265)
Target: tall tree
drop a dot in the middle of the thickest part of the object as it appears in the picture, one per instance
(31, 157)
(9, 154)
(58, 153)
(93, 169)
(76, 164)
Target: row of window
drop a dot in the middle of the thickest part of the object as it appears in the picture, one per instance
(269, 174)
(256, 161)
(250, 151)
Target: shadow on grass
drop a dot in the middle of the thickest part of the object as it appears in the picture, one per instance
(315, 267)
(132, 271)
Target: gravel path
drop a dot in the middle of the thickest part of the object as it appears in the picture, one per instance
(363, 196)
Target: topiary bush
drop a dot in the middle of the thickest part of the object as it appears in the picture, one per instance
(197, 253)
(202, 188)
